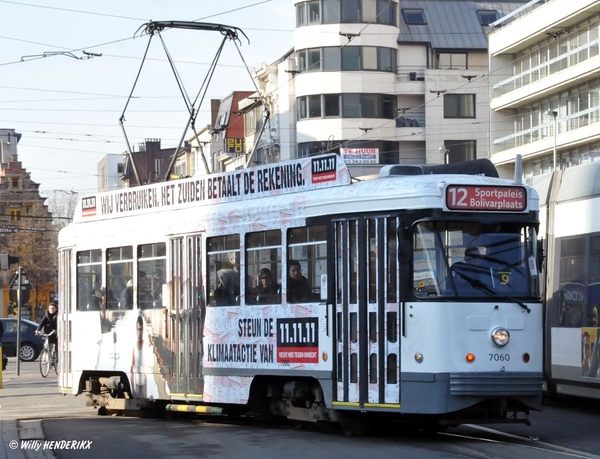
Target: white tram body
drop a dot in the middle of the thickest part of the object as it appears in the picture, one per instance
(570, 226)
(159, 305)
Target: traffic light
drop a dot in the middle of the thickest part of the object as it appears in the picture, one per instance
(6, 260)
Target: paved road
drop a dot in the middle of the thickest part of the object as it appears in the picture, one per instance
(27, 398)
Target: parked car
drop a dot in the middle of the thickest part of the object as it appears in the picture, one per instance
(31, 344)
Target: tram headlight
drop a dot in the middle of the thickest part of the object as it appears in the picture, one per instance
(500, 337)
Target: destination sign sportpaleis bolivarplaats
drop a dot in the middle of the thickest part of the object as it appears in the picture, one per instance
(486, 198)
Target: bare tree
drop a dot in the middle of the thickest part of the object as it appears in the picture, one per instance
(62, 204)
(35, 244)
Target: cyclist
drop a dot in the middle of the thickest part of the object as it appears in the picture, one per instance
(48, 324)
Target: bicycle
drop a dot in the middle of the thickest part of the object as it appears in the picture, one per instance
(48, 357)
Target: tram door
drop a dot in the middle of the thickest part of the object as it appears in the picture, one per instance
(366, 293)
(187, 310)
(64, 326)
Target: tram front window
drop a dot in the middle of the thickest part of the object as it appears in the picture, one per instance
(474, 260)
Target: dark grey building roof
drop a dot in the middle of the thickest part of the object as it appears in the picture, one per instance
(451, 24)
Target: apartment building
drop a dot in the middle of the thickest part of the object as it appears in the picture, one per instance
(380, 82)
(545, 86)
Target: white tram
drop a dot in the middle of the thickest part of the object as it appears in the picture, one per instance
(160, 307)
(570, 217)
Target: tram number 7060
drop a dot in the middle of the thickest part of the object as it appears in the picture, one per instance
(499, 357)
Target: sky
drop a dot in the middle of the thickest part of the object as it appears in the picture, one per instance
(69, 73)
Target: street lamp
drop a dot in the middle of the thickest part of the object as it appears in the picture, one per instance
(554, 114)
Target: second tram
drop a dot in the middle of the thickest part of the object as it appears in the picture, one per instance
(569, 201)
(417, 296)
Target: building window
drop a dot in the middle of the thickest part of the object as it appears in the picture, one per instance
(345, 11)
(459, 106)
(351, 105)
(2, 210)
(15, 183)
(351, 11)
(414, 16)
(314, 106)
(331, 11)
(15, 214)
(332, 58)
(486, 17)
(386, 12)
(351, 58)
(332, 104)
(460, 150)
(314, 60)
(300, 14)
(369, 61)
(370, 106)
(313, 13)
(302, 108)
(387, 59)
(451, 61)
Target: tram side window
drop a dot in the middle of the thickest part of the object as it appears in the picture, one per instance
(346, 240)
(308, 247)
(119, 278)
(152, 260)
(592, 318)
(263, 267)
(90, 292)
(571, 281)
(392, 260)
(223, 275)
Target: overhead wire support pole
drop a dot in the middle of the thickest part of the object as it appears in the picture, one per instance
(193, 112)
(155, 27)
(122, 118)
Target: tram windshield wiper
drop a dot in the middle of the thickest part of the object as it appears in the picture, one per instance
(486, 288)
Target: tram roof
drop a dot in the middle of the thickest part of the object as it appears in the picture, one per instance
(321, 184)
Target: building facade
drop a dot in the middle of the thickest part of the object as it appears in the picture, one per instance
(379, 82)
(26, 230)
(109, 170)
(545, 86)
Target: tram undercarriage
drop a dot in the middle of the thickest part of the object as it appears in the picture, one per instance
(299, 401)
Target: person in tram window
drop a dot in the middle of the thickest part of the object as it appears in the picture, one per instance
(228, 288)
(267, 290)
(158, 280)
(145, 293)
(126, 299)
(298, 288)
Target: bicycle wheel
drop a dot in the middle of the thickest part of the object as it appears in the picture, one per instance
(44, 362)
